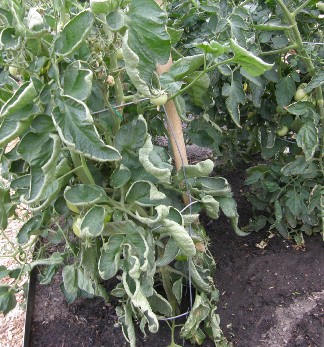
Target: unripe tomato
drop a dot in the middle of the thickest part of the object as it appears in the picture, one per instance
(181, 257)
(119, 54)
(320, 6)
(13, 71)
(107, 218)
(77, 227)
(300, 94)
(159, 100)
(283, 131)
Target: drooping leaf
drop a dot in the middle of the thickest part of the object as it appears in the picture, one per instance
(77, 81)
(110, 257)
(73, 34)
(31, 227)
(15, 123)
(74, 124)
(181, 236)
(160, 304)
(41, 151)
(144, 193)
(249, 62)
(145, 43)
(171, 249)
(85, 195)
(161, 173)
(93, 222)
(198, 314)
(177, 289)
(211, 206)
(215, 186)
(236, 96)
(203, 168)
(69, 274)
(120, 176)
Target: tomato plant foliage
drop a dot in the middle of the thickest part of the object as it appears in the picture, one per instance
(81, 98)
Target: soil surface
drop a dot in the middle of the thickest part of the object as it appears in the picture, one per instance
(271, 297)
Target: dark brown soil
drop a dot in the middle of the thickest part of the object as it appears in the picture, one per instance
(272, 297)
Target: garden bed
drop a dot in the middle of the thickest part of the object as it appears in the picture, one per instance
(269, 297)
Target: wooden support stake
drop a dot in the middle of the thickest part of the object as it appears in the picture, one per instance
(174, 125)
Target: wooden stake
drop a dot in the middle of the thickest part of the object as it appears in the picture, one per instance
(174, 125)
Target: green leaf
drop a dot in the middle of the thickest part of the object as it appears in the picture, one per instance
(146, 42)
(74, 124)
(120, 176)
(31, 227)
(294, 202)
(93, 222)
(285, 91)
(203, 168)
(69, 274)
(199, 89)
(315, 82)
(144, 193)
(177, 289)
(41, 151)
(198, 314)
(73, 34)
(215, 186)
(307, 139)
(77, 81)
(186, 66)
(300, 167)
(160, 304)
(211, 206)
(9, 40)
(236, 96)
(126, 320)
(171, 249)
(181, 236)
(131, 136)
(213, 48)
(161, 173)
(303, 108)
(4, 200)
(110, 257)
(7, 299)
(85, 195)
(249, 62)
(162, 213)
(115, 21)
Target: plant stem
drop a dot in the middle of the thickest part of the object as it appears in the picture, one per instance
(80, 167)
(280, 50)
(302, 6)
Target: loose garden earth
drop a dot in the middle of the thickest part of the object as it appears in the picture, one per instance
(269, 297)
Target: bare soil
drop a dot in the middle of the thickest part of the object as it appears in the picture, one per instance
(272, 297)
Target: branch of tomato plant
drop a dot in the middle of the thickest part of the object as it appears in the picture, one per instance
(280, 50)
(302, 6)
(290, 17)
(81, 168)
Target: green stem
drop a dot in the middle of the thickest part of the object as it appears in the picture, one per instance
(280, 50)
(302, 6)
(81, 168)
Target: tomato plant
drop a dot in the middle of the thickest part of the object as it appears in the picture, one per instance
(83, 111)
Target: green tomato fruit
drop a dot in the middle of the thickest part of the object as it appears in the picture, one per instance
(107, 218)
(159, 100)
(300, 94)
(13, 71)
(320, 6)
(283, 131)
(119, 54)
(181, 257)
(77, 227)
